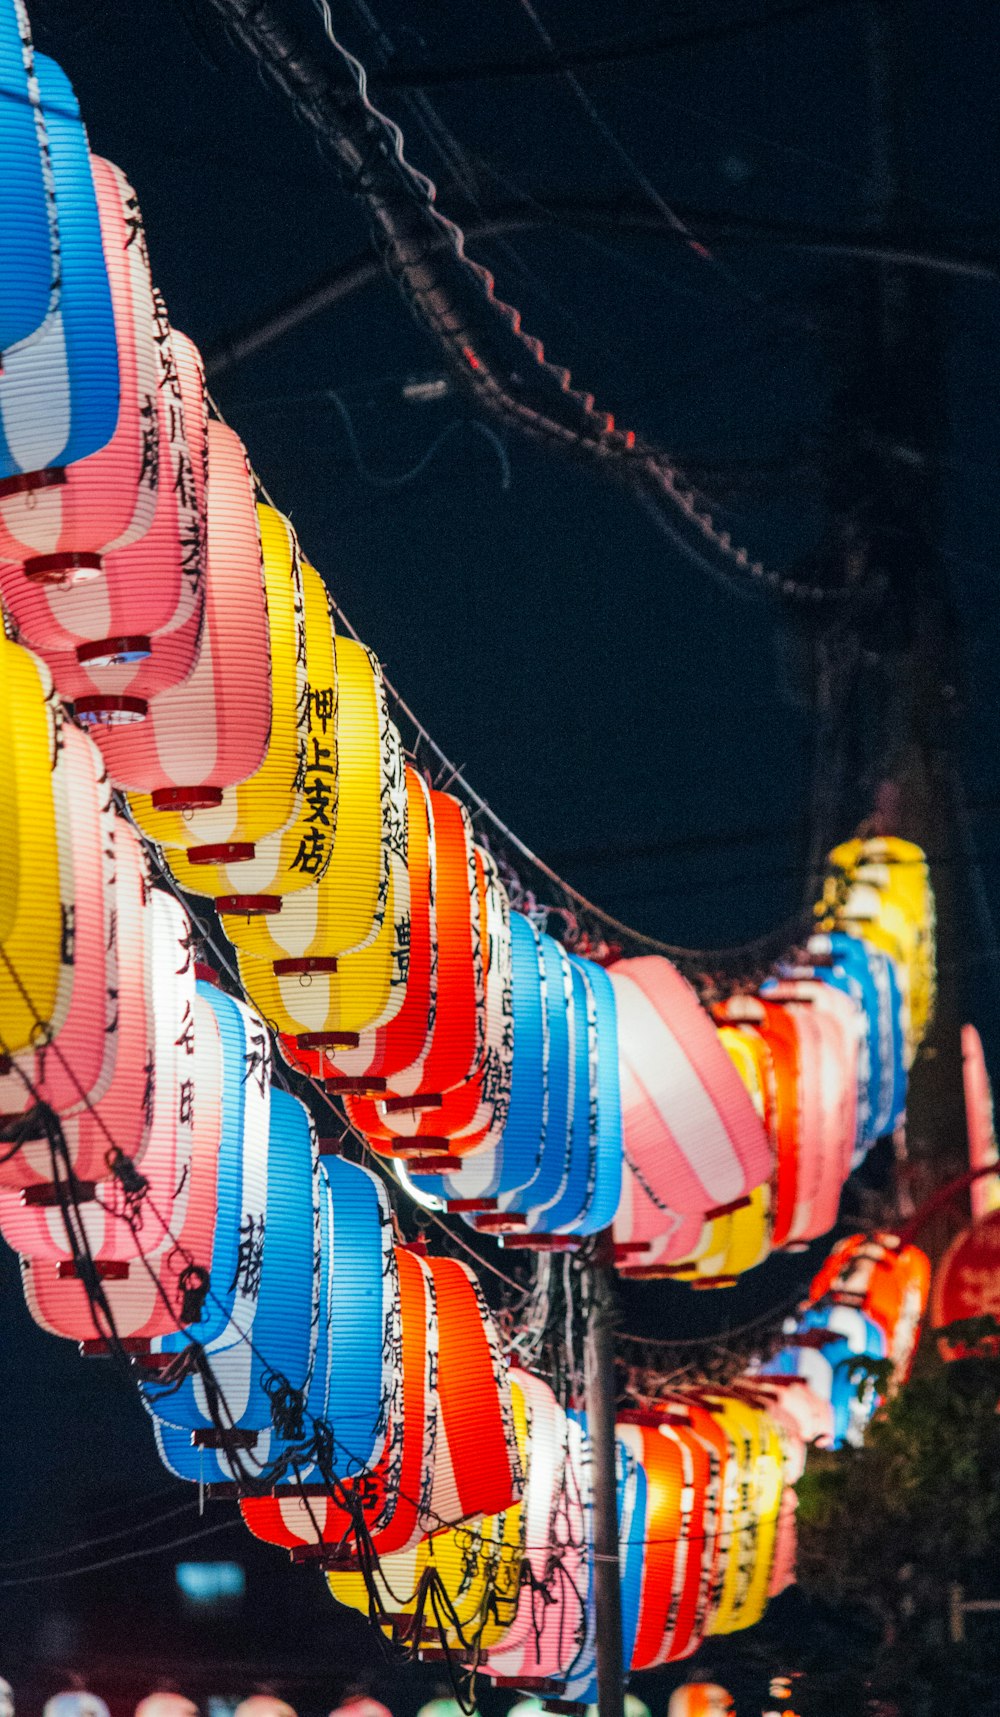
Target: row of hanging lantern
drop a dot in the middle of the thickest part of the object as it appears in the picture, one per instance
(853, 1343)
(820, 1056)
(528, 1089)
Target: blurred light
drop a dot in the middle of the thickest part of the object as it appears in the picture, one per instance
(210, 1582)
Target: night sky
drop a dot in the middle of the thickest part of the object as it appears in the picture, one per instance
(642, 724)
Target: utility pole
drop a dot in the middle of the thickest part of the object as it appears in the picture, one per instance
(600, 1401)
(898, 407)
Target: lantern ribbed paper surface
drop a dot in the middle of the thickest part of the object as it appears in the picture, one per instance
(119, 1118)
(134, 629)
(111, 1237)
(58, 533)
(368, 986)
(344, 910)
(388, 1052)
(28, 272)
(277, 1267)
(203, 735)
(76, 1065)
(293, 858)
(888, 1282)
(688, 1122)
(391, 1496)
(265, 803)
(241, 1182)
(568, 1212)
(177, 1221)
(32, 967)
(59, 394)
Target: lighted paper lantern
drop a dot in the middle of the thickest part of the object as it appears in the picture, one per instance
(700, 1699)
(211, 731)
(964, 1288)
(545, 1472)
(860, 969)
(57, 533)
(828, 1346)
(888, 1282)
(368, 985)
(562, 1625)
(200, 843)
(984, 1193)
(389, 1051)
(114, 640)
(473, 1114)
(791, 1398)
(32, 968)
(168, 1271)
(241, 1181)
(28, 271)
(59, 392)
(276, 1268)
(568, 1212)
(294, 857)
(900, 919)
(457, 1042)
(74, 1065)
(345, 908)
(631, 1500)
(391, 1496)
(668, 1545)
(118, 1119)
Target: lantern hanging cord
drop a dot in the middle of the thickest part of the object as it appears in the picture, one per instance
(482, 337)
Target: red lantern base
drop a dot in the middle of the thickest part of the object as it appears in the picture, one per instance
(465, 1206)
(187, 798)
(222, 852)
(496, 1223)
(110, 711)
(432, 1165)
(335, 1040)
(46, 1196)
(363, 1086)
(247, 905)
(114, 652)
(62, 568)
(420, 1100)
(318, 963)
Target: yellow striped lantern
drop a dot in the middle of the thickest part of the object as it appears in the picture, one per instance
(367, 987)
(32, 966)
(198, 844)
(296, 856)
(211, 731)
(345, 908)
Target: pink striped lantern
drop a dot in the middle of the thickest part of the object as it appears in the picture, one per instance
(119, 1118)
(693, 1140)
(548, 1438)
(793, 1399)
(56, 525)
(152, 1294)
(136, 629)
(547, 1651)
(980, 1126)
(785, 1553)
(648, 1232)
(75, 1065)
(210, 731)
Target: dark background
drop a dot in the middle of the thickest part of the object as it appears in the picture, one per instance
(644, 725)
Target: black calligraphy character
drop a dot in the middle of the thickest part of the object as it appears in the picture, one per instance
(311, 853)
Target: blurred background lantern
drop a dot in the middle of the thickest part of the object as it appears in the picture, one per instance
(29, 276)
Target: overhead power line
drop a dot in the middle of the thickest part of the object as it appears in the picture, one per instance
(505, 369)
(598, 56)
(590, 213)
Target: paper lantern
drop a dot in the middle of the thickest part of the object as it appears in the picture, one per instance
(859, 969)
(389, 1051)
(241, 1184)
(344, 910)
(631, 1500)
(828, 1347)
(473, 1114)
(560, 1625)
(700, 1699)
(368, 985)
(984, 1193)
(888, 1282)
(169, 1271)
(667, 1547)
(277, 1268)
(135, 628)
(293, 858)
(32, 970)
(57, 532)
(891, 903)
(28, 271)
(118, 1119)
(75, 1065)
(792, 1399)
(200, 843)
(457, 1042)
(59, 391)
(391, 1497)
(964, 1289)
(545, 1471)
(202, 736)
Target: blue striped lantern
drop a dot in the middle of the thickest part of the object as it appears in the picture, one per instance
(365, 1334)
(28, 270)
(513, 1161)
(858, 967)
(551, 1168)
(59, 389)
(276, 1271)
(608, 1154)
(631, 1497)
(573, 1200)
